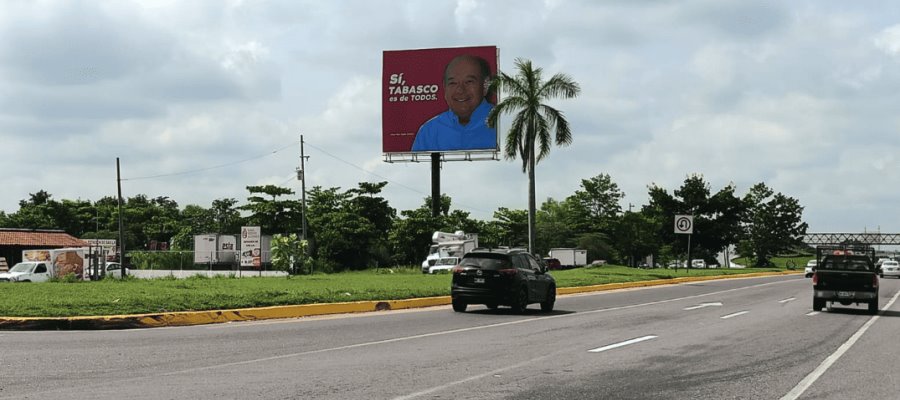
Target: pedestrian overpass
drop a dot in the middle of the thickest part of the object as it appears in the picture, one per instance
(815, 239)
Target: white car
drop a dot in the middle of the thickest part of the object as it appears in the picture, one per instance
(810, 268)
(114, 270)
(444, 264)
(890, 268)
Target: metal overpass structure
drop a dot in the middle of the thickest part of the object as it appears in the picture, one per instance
(871, 238)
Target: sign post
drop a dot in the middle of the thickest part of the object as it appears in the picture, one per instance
(684, 224)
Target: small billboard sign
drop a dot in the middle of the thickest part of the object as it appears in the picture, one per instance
(251, 249)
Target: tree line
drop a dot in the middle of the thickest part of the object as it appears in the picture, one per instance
(357, 228)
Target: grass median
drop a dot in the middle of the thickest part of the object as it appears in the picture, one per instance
(142, 296)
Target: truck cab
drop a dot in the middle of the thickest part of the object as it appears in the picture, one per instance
(30, 271)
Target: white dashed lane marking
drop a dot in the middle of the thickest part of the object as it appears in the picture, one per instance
(739, 313)
(787, 300)
(703, 305)
(625, 343)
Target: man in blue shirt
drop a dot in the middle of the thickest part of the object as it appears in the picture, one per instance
(464, 125)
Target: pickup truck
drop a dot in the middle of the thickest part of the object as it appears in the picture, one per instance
(29, 271)
(847, 275)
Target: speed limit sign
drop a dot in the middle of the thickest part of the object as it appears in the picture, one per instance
(684, 224)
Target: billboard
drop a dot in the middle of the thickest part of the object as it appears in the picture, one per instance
(251, 251)
(436, 100)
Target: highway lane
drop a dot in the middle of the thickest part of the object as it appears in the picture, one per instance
(742, 338)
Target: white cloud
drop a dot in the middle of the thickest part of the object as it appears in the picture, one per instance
(888, 40)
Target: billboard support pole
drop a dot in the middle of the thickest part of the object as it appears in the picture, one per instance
(435, 184)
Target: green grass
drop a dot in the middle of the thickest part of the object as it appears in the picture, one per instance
(139, 296)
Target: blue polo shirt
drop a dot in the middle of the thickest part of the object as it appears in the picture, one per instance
(445, 133)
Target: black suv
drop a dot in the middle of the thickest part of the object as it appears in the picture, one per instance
(497, 277)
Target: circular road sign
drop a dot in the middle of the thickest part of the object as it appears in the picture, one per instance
(684, 224)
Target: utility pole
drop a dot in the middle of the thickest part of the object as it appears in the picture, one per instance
(121, 230)
(301, 175)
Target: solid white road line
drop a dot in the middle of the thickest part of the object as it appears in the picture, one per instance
(810, 314)
(625, 343)
(787, 300)
(804, 384)
(734, 315)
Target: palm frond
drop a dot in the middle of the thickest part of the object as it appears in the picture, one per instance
(558, 123)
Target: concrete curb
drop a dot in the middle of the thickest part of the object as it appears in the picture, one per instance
(187, 318)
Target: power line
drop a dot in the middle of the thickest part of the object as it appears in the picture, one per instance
(385, 178)
(210, 168)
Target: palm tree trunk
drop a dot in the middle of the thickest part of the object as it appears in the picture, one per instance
(531, 203)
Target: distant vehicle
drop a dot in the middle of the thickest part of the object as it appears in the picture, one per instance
(810, 268)
(890, 268)
(445, 244)
(114, 270)
(28, 271)
(845, 274)
(698, 263)
(445, 264)
(496, 277)
(42, 264)
(552, 263)
(569, 258)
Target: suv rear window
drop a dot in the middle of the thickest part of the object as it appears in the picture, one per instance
(487, 261)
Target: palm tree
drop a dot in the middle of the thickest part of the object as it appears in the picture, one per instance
(534, 120)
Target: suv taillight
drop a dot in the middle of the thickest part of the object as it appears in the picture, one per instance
(508, 272)
(875, 281)
(458, 270)
(815, 278)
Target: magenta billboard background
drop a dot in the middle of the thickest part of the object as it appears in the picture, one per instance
(412, 90)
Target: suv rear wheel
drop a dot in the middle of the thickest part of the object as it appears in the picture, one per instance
(521, 301)
(873, 306)
(547, 305)
(459, 306)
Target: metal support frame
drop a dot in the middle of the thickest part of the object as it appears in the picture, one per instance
(815, 239)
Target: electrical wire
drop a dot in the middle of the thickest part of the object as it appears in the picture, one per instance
(383, 177)
(193, 171)
(210, 168)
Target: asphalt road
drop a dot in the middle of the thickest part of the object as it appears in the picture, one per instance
(732, 339)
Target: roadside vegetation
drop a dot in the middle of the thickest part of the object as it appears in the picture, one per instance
(141, 296)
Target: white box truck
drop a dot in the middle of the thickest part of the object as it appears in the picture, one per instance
(445, 244)
(42, 264)
(569, 257)
(214, 248)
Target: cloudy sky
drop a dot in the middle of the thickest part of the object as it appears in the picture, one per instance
(200, 99)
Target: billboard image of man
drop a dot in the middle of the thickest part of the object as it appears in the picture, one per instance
(464, 125)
